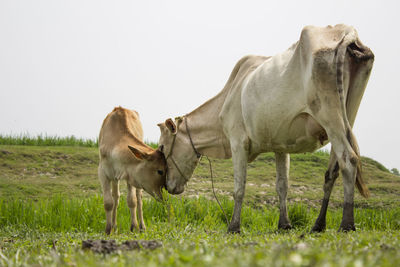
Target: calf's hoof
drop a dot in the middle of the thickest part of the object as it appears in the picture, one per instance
(108, 229)
(134, 228)
(142, 228)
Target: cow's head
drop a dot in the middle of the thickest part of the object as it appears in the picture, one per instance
(151, 170)
(179, 154)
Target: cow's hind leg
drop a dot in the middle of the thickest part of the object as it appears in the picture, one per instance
(330, 177)
(142, 226)
(239, 158)
(107, 199)
(282, 175)
(348, 160)
(115, 195)
(132, 204)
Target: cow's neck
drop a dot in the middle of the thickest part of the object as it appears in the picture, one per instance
(206, 130)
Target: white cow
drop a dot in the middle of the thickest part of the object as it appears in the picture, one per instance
(293, 102)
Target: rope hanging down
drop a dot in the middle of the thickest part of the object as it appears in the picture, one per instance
(199, 156)
(215, 196)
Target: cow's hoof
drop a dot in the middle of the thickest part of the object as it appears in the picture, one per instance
(234, 228)
(233, 231)
(347, 228)
(317, 228)
(286, 226)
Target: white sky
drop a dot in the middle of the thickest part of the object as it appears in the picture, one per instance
(65, 64)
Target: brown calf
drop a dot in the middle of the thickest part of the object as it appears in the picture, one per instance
(124, 156)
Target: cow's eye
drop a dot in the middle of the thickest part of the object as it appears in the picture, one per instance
(160, 172)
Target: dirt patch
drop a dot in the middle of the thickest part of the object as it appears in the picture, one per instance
(5, 152)
(109, 246)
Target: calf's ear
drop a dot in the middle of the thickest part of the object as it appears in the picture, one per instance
(161, 148)
(138, 153)
(171, 126)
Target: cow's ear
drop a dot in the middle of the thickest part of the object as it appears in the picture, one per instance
(161, 126)
(138, 153)
(171, 126)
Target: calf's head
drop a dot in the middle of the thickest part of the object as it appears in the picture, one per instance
(150, 170)
(179, 154)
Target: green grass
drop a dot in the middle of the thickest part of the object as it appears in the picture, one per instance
(45, 140)
(52, 193)
(62, 214)
(193, 233)
(36, 171)
(193, 246)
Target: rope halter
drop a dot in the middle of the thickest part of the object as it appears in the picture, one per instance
(169, 156)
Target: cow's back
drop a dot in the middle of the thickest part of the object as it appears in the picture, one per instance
(231, 112)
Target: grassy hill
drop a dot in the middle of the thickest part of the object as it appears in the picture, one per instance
(42, 171)
(50, 201)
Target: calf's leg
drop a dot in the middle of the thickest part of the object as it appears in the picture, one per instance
(116, 195)
(142, 226)
(282, 174)
(132, 204)
(107, 199)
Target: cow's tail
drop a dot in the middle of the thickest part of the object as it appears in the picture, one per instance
(340, 58)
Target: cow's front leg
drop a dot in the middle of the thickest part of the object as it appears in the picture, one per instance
(239, 158)
(282, 175)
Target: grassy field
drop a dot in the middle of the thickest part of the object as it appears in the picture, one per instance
(45, 140)
(50, 200)
(193, 233)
